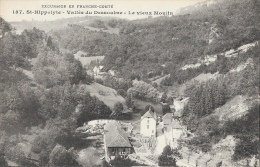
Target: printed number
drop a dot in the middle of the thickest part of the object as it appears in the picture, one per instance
(17, 11)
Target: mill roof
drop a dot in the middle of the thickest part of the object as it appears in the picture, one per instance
(149, 114)
(115, 136)
(167, 118)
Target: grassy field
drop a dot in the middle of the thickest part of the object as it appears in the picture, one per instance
(108, 95)
(205, 77)
(159, 80)
(87, 60)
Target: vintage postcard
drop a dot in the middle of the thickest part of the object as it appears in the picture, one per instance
(118, 83)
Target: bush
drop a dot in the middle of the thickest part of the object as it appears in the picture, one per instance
(100, 81)
(166, 159)
(60, 157)
(122, 92)
(119, 162)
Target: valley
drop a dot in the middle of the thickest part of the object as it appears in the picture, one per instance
(177, 90)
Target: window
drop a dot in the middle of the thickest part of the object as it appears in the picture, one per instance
(123, 150)
(113, 150)
(147, 126)
(152, 131)
(148, 121)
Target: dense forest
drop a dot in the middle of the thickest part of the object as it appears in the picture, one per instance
(157, 46)
(43, 113)
(144, 45)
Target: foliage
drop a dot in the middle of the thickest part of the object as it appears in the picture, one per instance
(91, 108)
(16, 153)
(75, 38)
(118, 162)
(118, 109)
(103, 164)
(166, 109)
(149, 107)
(5, 25)
(144, 91)
(99, 80)
(52, 69)
(121, 92)
(57, 106)
(206, 97)
(163, 98)
(179, 40)
(166, 159)
(117, 83)
(222, 65)
(19, 109)
(246, 129)
(60, 157)
(3, 162)
(129, 101)
(17, 49)
(97, 23)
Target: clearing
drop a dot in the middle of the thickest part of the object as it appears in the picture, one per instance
(159, 80)
(86, 60)
(205, 77)
(108, 95)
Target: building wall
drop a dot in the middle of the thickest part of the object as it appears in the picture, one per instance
(116, 151)
(172, 137)
(148, 127)
(177, 133)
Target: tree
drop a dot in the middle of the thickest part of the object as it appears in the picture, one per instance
(112, 23)
(166, 158)
(154, 84)
(53, 69)
(144, 91)
(163, 98)
(103, 164)
(166, 109)
(170, 100)
(119, 162)
(3, 162)
(60, 157)
(122, 92)
(167, 151)
(118, 108)
(208, 103)
(176, 153)
(128, 101)
(10, 122)
(149, 107)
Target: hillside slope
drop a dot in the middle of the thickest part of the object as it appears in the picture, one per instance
(108, 95)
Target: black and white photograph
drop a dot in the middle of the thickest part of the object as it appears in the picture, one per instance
(129, 83)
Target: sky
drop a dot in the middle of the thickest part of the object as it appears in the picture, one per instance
(9, 9)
